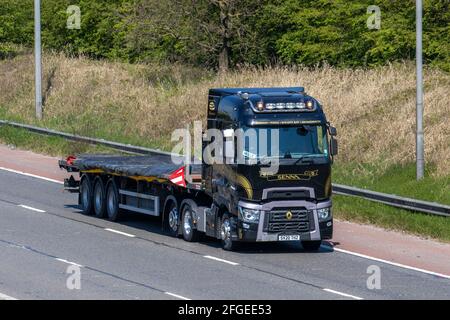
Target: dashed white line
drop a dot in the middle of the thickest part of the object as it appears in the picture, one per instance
(120, 232)
(69, 262)
(176, 296)
(31, 175)
(31, 208)
(392, 263)
(6, 297)
(343, 294)
(221, 260)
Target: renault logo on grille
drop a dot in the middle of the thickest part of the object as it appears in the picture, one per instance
(289, 215)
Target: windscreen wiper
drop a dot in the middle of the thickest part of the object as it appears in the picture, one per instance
(304, 159)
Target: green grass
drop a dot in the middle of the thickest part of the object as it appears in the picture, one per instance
(399, 180)
(54, 146)
(367, 212)
(396, 179)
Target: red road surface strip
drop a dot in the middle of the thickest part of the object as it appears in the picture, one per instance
(366, 240)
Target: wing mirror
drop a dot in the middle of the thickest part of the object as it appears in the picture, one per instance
(333, 146)
(333, 131)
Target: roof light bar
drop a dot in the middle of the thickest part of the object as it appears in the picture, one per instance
(309, 105)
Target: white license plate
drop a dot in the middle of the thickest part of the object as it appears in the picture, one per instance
(290, 237)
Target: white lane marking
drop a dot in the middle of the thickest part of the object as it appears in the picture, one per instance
(6, 297)
(69, 262)
(120, 232)
(176, 296)
(343, 294)
(30, 208)
(31, 175)
(221, 260)
(393, 263)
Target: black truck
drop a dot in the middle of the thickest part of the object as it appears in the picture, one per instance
(264, 190)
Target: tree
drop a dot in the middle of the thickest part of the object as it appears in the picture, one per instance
(194, 31)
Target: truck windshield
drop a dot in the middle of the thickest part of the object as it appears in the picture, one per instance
(304, 141)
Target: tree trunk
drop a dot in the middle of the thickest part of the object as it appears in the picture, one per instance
(225, 52)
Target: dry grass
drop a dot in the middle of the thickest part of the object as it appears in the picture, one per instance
(374, 110)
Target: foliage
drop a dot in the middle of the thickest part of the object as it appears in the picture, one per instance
(260, 32)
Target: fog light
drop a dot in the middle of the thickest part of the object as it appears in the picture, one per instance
(324, 214)
(249, 215)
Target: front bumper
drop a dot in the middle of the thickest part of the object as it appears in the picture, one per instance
(258, 232)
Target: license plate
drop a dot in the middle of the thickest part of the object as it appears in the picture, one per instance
(288, 237)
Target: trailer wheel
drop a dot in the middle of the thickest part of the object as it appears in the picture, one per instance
(190, 234)
(86, 195)
(225, 234)
(311, 245)
(112, 201)
(99, 198)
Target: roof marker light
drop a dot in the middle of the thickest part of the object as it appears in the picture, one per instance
(290, 105)
(270, 106)
(300, 105)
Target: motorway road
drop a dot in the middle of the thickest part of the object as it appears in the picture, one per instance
(42, 233)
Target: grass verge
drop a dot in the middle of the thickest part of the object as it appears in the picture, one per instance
(395, 179)
(54, 146)
(368, 212)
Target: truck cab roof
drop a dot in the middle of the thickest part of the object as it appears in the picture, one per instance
(260, 91)
(253, 106)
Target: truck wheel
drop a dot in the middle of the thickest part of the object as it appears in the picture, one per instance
(86, 195)
(172, 220)
(311, 245)
(99, 198)
(187, 225)
(225, 234)
(112, 201)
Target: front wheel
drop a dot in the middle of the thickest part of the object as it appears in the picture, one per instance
(311, 245)
(225, 234)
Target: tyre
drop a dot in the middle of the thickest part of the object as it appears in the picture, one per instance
(86, 195)
(311, 245)
(190, 234)
(99, 198)
(225, 234)
(172, 219)
(112, 201)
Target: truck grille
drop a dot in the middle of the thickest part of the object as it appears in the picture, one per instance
(278, 221)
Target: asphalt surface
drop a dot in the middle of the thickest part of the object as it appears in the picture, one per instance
(42, 234)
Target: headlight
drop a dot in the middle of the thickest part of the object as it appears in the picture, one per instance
(324, 214)
(249, 215)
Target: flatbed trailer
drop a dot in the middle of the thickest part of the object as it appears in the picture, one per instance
(150, 185)
(230, 201)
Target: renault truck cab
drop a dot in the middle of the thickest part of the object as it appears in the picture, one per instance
(274, 183)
